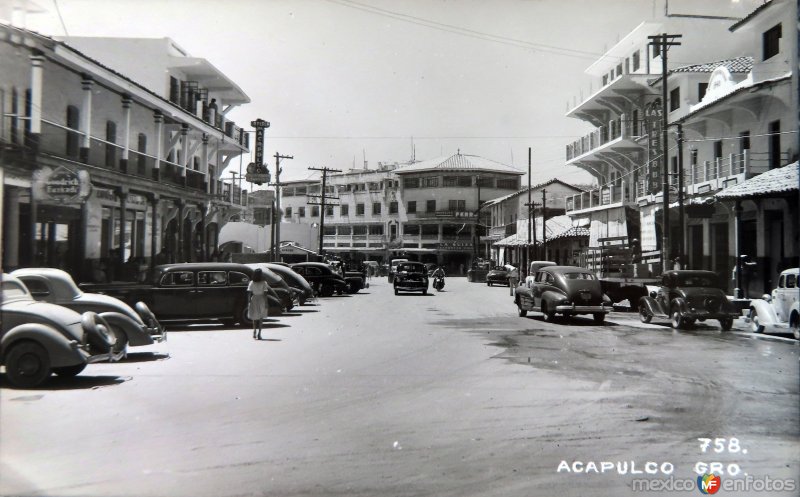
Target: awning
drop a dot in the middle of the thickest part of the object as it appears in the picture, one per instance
(775, 182)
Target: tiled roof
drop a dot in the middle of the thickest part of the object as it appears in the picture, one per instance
(458, 162)
(737, 65)
(777, 181)
(557, 227)
(573, 232)
(751, 15)
(533, 188)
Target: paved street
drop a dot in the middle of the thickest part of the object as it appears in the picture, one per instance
(449, 394)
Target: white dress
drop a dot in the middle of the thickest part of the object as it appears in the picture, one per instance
(258, 308)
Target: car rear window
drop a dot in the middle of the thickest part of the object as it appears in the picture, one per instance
(212, 278)
(238, 279)
(579, 276)
(418, 268)
(698, 280)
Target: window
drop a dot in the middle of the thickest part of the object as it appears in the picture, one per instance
(315, 211)
(774, 144)
(376, 208)
(345, 230)
(288, 212)
(330, 230)
(111, 138)
(329, 210)
(212, 278)
(619, 70)
(142, 148)
(359, 229)
(702, 88)
(675, 99)
(174, 90)
(605, 79)
(507, 184)
(430, 182)
(449, 181)
(718, 149)
(301, 212)
(376, 229)
(412, 207)
(410, 182)
(485, 182)
(411, 229)
(392, 207)
(178, 278)
(73, 138)
(344, 210)
(359, 209)
(457, 205)
(430, 206)
(772, 42)
(744, 141)
(656, 49)
(636, 61)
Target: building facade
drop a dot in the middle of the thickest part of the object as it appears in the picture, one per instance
(103, 169)
(731, 115)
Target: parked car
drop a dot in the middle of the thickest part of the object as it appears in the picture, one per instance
(294, 280)
(778, 312)
(197, 291)
(498, 275)
(477, 273)
(355, 276)
(534, 268)
(38, 338)
(276, 282)
(686, 296)
(565, 290)
(393, 268)
(131, 327)
(411, 277)
(321, 277)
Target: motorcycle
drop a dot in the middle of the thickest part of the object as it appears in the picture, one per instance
(438, 283)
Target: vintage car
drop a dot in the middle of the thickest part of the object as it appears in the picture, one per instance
(131, 327)
(356, 277)
(780, 311)
(321, 277)
(294, 280)
(287, 294)
(564, 290)
(37, 338)
(411, 277)
(498, 275)
(393, 268)
(686, 296)
(197, 291)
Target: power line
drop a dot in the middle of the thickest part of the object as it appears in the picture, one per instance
(60, 18)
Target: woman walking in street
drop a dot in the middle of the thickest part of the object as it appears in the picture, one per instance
(257, 308)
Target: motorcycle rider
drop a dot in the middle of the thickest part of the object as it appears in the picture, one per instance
(438, 273)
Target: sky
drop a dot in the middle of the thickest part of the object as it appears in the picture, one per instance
(342, 81)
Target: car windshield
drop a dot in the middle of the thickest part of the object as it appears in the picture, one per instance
(579, 276)
(698, 280)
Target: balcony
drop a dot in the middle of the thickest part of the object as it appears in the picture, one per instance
(601, 198)
(621, 130)
(359, 241)
(462, 215)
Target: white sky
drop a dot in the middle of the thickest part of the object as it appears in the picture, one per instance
(338, 79)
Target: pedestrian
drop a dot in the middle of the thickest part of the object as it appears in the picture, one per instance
(513, 278)
(257, 308)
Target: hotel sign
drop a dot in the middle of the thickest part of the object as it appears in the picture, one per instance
(456, 245)
(61, 185)
(653, 122)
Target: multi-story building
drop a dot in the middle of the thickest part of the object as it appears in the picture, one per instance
(732, 111)
(113, 150)
(425, 211)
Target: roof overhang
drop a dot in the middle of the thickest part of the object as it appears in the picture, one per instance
(201, 70)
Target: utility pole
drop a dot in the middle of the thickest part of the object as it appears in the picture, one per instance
(544, 223)
(277, 239)
(663, 42)
(681, 210)
(323, 197)
(530, 202)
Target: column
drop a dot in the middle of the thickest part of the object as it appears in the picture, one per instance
(122, 193)
(179, 252)
(35, 123)
(204, 240)
(159, 120)
(11, 229)
(86, 119)
(706, 264)
(204, 163)
(126, 132)
(184, 152)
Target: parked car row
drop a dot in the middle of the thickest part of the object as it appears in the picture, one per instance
(52, 325)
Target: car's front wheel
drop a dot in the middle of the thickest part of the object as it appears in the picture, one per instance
(644, 314)
(522, 312)
(549, 315)
(795, 327)
(27, 365)
(326, 290)
(121, 341)
(755, 322)
(396, 291)
(726, 324)
(676, 318)
(599, 317)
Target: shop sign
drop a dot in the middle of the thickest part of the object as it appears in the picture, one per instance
(61, 185)
(457, 245)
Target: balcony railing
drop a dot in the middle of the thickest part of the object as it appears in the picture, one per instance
(446, 213)
(605, 196)
(619, 128)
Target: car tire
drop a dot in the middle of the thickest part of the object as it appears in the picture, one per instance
(520, 311)
(795, 326)
(755, 323)
(70, 371)
(27, 365)
(644, 314)
(425, 291)
(599, 317)
(676, 318)
(726, 324)
(488, 283)
(548, 315)
(241, 316)
(326, 290)
(396, 291)
(121, 343)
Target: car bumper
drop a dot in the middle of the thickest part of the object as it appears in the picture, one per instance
(158, 334)
(583, 309)
(411, 286)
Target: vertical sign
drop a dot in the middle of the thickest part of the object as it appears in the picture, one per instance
(652, 116)
(257, 172)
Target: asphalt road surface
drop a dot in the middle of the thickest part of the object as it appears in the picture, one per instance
(449, 394)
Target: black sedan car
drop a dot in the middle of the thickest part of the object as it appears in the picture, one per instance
(687, 296)
(411, 277)
(497, 276)
(564, 290)
(322, 278)
(294, 280)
